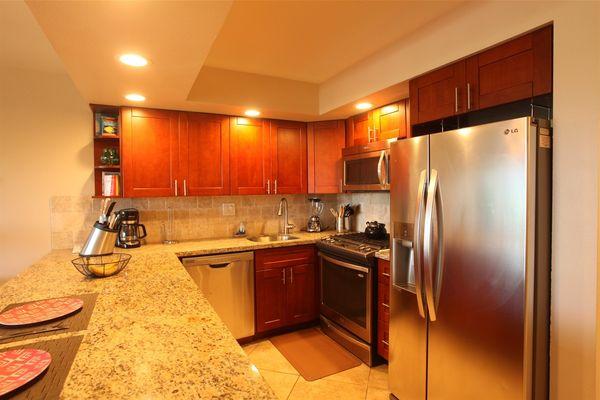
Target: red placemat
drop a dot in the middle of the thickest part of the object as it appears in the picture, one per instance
(19, 367)
(40, 311)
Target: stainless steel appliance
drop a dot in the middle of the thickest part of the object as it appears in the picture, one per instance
(366, 170)
(100, 241)
(348, 289)
(227, 281)
(314, 221)
(130, 229)
(470, 213)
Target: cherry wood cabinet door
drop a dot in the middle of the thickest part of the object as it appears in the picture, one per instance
(249, 156)
(270, 299)
(300, 294)
(149, 152)
(389, 122)
(438, 94)
(326, 139)
(204, 154)
(358, 130)
(383, 307)
(516, 70)
(288, 157)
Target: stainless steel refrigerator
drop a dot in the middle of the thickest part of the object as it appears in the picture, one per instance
(470, 240)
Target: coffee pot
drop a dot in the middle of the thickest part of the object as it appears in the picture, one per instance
(130, 229)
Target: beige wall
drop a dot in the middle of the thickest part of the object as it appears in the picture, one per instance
(45, 150)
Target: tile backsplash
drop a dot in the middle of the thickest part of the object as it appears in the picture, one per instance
(207, 217)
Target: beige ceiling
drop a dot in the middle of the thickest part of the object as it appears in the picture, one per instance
(312, 41)
(226, 56)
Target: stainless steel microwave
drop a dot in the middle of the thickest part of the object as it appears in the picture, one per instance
(367, 171)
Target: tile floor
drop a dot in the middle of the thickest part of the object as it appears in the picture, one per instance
(361, 382)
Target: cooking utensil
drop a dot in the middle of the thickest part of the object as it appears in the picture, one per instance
(333, 212)
(53, 328)
(21, 366)
(110, 208)
(40, 311)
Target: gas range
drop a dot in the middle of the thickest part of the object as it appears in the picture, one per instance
(353, 245)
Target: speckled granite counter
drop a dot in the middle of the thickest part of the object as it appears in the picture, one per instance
(383, 254)
(152, 334)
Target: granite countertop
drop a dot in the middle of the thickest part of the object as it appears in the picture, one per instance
(383, 254)
(152, 335)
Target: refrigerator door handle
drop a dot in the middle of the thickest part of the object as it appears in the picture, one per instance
(434, 199)
(417, 239)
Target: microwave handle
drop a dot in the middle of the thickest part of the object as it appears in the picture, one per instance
(382, 169)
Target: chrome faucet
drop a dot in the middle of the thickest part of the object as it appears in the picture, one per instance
(283, 211)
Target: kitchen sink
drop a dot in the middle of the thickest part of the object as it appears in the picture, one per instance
(272, 238)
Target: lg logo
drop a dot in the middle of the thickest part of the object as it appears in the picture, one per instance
(507, 131)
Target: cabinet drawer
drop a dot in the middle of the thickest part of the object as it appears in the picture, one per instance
(383, 295)
(383, 335)
(284, 257)
(383, 269)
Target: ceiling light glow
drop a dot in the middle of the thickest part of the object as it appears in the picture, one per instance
(252, 113)
(364, 106)
(133, 60)
(135, 97)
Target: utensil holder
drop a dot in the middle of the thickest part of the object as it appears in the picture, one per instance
(100, 241)
(348, 224)
(339, 224)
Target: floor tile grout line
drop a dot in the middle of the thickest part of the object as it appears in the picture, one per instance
(292, 389)
(279, 372)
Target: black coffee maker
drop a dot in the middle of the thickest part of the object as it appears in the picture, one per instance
(130, 229)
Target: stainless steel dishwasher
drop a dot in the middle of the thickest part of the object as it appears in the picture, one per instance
(227, 281)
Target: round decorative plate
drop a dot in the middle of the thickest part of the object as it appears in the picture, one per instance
(19, 367)
(40, 311)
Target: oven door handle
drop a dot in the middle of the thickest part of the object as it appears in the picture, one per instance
(344, 264)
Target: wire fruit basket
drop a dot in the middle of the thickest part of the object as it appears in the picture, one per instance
(101, 266)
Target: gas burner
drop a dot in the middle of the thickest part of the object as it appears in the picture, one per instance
(353, 245)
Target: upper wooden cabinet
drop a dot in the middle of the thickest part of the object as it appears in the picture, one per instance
(519, 69)
(515, 70)
(250, 167)
(204, 154)
(387, 122)
(288, 157)
(437, 94)
(149, 152)
(326, 139)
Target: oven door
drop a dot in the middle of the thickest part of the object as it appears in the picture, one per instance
(367, 171)
(346, 295)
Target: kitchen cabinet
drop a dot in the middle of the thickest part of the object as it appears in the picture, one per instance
(383, 308)
(437, 94)
(285, 283)
(326, 139)
(288, 157)
(203, 154)
(518, 69)
(149, 152)
(250, 167)
(387, 122)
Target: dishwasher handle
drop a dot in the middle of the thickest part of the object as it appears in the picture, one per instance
(221, 265)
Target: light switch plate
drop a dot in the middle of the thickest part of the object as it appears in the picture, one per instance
(228, 209)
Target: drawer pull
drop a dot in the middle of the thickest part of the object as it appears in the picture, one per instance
(385, 274)
(385, 305)
(384, 342)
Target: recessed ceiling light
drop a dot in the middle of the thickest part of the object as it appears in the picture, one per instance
(133, 60)
(364, 106)
(135, 97)
(252, 113)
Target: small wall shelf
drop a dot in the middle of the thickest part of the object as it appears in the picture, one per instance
(104, 141)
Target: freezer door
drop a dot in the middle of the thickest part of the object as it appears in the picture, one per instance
(408, 323)
(476, 296)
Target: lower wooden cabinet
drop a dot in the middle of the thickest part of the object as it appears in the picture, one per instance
(285, 287)
(383, 308)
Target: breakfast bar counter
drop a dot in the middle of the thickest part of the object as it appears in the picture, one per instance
(152, 334)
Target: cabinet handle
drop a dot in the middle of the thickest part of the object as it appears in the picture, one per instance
(291, 275)
(176, 188)
(268, 186)
(468, 96)
(275, 186)
(184, 187)
(375, 137)
(283, 278)
(456, 99)
(369, 134)
(385, 305)
(384, 342)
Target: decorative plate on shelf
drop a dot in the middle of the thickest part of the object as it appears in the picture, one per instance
(40, 311)
(19, 367)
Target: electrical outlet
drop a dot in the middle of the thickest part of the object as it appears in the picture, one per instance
(228, 209)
